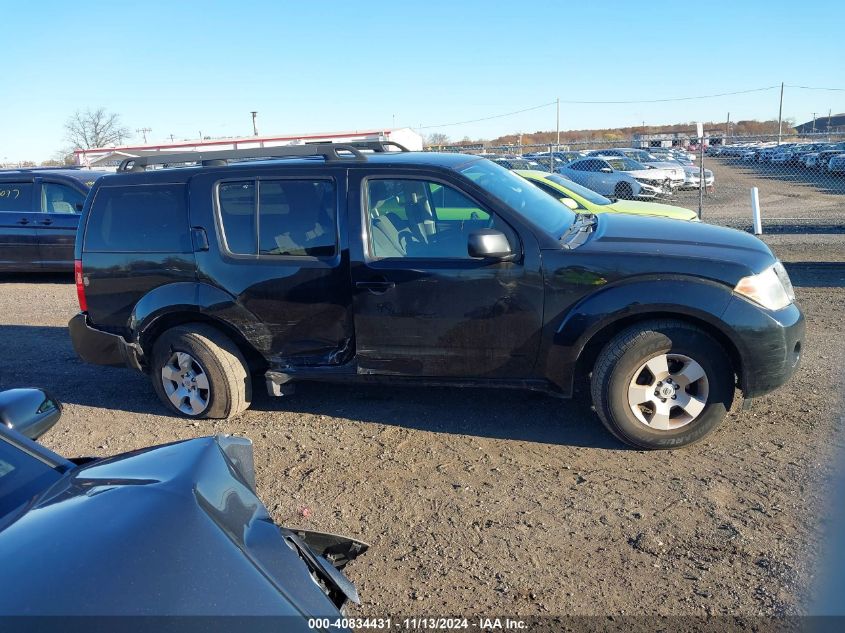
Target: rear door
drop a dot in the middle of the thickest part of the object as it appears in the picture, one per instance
(60, 205)
(18, 221)
(275, 247)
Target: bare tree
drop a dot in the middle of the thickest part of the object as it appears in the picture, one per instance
(436, 138)
(94, 128)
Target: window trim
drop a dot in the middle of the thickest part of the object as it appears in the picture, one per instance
(257, 256)
(366, 233)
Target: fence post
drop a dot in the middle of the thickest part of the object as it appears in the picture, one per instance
(755, 211)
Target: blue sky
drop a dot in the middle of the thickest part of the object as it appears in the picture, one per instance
(185, 67)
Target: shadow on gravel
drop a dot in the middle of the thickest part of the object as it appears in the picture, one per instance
(36, 278)
(42, 356)
(500, 414)
(816, 274)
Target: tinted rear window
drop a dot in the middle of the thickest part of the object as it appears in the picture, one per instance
(139, 219)
(15, 196)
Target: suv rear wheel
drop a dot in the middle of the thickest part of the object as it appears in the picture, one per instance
(198, 372)
(662, 384)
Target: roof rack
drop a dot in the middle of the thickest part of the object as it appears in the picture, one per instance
(378, 146)
(42, 168)
(329, 151)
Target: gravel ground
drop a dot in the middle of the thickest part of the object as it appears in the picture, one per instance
(503, 502)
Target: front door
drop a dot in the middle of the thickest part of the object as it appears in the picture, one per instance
(422, 305)
(60, 207)
(18, 221)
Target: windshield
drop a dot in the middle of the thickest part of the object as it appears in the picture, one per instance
(640, 155)
(624, 164)
(520, 195)
(22, 477)
(578, 190)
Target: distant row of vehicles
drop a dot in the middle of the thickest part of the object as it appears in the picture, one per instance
(817, 156)
(624, 173)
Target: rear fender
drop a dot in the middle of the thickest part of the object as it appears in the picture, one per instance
(200, 299)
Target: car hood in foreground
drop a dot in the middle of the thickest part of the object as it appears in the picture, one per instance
(170, 530)
(668, 247)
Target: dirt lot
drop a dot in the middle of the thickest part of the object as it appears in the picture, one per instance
(503, 502)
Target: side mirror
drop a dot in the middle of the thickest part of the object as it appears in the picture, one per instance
(30, 412)
(606, 170)
(488, 243)
(569, 202)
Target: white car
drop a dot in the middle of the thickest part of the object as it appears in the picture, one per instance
(674, 168)
(692, 176)
(618, 177)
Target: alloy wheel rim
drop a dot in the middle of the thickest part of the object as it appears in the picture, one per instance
(185, 383)
(668, 391)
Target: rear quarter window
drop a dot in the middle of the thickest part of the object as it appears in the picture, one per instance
(15, 196)
(139, 219)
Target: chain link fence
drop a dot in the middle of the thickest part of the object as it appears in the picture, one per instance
(800, 180)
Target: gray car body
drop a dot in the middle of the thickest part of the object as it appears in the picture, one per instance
(172, 530)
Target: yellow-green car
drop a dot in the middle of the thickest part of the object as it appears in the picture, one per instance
(579, 198)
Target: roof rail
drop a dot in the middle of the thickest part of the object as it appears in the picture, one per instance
(42, 168)
(329, 151)
(378, 146)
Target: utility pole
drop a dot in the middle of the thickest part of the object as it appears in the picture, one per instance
(143, 131)
(780, 114)
(828, 123)
(254, 124)
(727, 127)
(557, 126)
(172, 138)
(814, 123)
(393, 126)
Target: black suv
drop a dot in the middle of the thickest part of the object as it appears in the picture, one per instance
(39, 214)
(330, 263)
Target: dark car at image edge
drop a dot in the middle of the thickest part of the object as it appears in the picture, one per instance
(164, 531)
(39, 215)
(330, 263)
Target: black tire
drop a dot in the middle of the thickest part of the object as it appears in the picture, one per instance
(229, 390)
(624, 191)
(626, 352)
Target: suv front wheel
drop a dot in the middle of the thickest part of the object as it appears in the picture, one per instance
(662, 384)
(200, 373)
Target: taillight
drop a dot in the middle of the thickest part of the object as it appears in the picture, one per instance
(80, 285)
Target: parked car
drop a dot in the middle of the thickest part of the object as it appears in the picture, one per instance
(836, 164)
(162, 531)
(518, 162)
(618, 177)
(583, 200)
(427, 268)
(672, 167)
(563, 157)
(824, 156)
(692, 177)
(39, 215)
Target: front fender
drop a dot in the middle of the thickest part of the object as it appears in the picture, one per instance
(201, 299)
(652, 296)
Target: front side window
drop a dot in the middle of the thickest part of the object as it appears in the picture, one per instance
(279, 217)
(423, 219)
(15, 196)
(56, 198)
(139, 219)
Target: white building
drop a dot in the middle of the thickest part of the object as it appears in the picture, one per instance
(108, 158)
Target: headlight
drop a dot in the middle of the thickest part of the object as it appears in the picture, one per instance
(772, 288)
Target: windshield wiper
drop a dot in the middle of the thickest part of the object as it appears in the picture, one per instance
(579, 231)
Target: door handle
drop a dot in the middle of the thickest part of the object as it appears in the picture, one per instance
(23, 221)
(46, 222)
(376, 286)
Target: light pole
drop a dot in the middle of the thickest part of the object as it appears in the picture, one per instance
(254, 123)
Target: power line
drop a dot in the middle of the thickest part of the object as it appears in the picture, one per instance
(495, 116)
(816, 88)
(577, 102)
